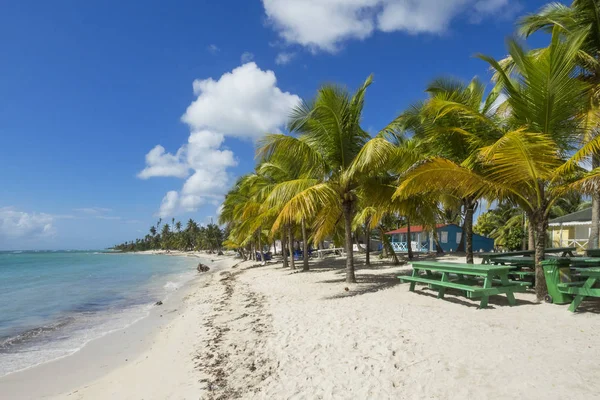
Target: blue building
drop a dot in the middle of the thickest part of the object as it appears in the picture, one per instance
(449, 236)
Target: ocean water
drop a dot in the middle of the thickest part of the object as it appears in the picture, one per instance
(52, 303)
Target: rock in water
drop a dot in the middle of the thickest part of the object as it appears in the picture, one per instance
(158, 303)
(202, 268)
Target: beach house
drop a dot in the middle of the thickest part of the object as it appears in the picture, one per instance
(449, 236)
(571, 230)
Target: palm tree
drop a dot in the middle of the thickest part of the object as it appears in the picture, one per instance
(166, 236)
(329, 139)
(581, 18)
(453, 123)
(530, 164)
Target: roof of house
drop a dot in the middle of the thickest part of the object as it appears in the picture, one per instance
(414, 229)
(577, 218)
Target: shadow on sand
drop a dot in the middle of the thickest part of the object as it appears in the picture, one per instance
(455, 296)
(589, 305)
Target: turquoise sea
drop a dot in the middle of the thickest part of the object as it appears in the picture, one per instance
(53, 302)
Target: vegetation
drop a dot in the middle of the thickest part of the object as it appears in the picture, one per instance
(192, 237)
(519, 143)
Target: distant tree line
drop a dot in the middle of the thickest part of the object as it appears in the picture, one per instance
(175, 237)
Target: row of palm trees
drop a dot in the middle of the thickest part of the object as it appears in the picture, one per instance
(175, 237)
(521, 143)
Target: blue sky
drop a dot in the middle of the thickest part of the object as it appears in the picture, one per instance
(88, 90)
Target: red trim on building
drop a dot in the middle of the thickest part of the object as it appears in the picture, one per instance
(414, 229)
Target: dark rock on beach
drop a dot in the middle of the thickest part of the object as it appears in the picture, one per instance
(158, 303)
(202, 268)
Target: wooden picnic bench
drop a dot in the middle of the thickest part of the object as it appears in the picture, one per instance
(467, 278)
(487, 258)
(582, 289)
(321, 252)
(592, 252)
(575, 262)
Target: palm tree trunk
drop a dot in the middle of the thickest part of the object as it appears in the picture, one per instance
(260, 248)
(531, 234)
(408, 240)
(291, 246)
(304, 247)
(595, 229)
(468, 231)
(283, 244)
(347, 208)
(524, 246)
(541, 225)
(368, 239)
(436, 241)
(387, 246)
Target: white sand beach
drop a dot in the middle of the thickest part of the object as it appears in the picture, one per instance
(264, 332)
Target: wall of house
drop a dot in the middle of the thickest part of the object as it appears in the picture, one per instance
(449, 238)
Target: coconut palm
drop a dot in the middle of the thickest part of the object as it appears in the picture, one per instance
(581, 18)
(453, 123)
(530, 164)
(327, 139)
(276, 170)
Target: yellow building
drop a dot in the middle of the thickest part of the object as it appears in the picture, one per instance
(571, 230)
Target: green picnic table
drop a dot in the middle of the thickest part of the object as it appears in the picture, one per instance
(467, 278)
(575, 262)
(592, 252)
(518, 263)
(582, 289)
(487, 258)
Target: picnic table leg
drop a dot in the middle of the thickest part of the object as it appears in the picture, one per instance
(509, 295)
(442, 290)
(486, 284)
(412, 284)
(579, 298)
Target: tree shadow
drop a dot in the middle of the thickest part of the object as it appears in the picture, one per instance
(458, 298)
(367, 283)
(590, 304)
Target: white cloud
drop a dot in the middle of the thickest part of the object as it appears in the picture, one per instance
(247, 57)
(244, 103)
(93, 210)
(325, 24)
(161, 163)
(284, 58)
(169, 204)
(204, 155)
(108, 218)
(490, 6)
(19, 224)
(213, 48)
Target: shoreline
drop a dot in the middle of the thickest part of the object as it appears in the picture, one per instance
(109, 351)
(265, 332)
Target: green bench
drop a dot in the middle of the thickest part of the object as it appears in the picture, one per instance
(592, 252)
(488, 258)
(582, 289)
(529, 262)
(475, 281)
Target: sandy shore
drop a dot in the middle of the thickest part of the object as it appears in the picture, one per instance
(266, 332)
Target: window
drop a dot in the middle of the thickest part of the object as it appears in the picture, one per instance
(444, 237)
(458, 237)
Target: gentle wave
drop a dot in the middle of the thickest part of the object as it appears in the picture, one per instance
(7, 343)
(51, 305)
